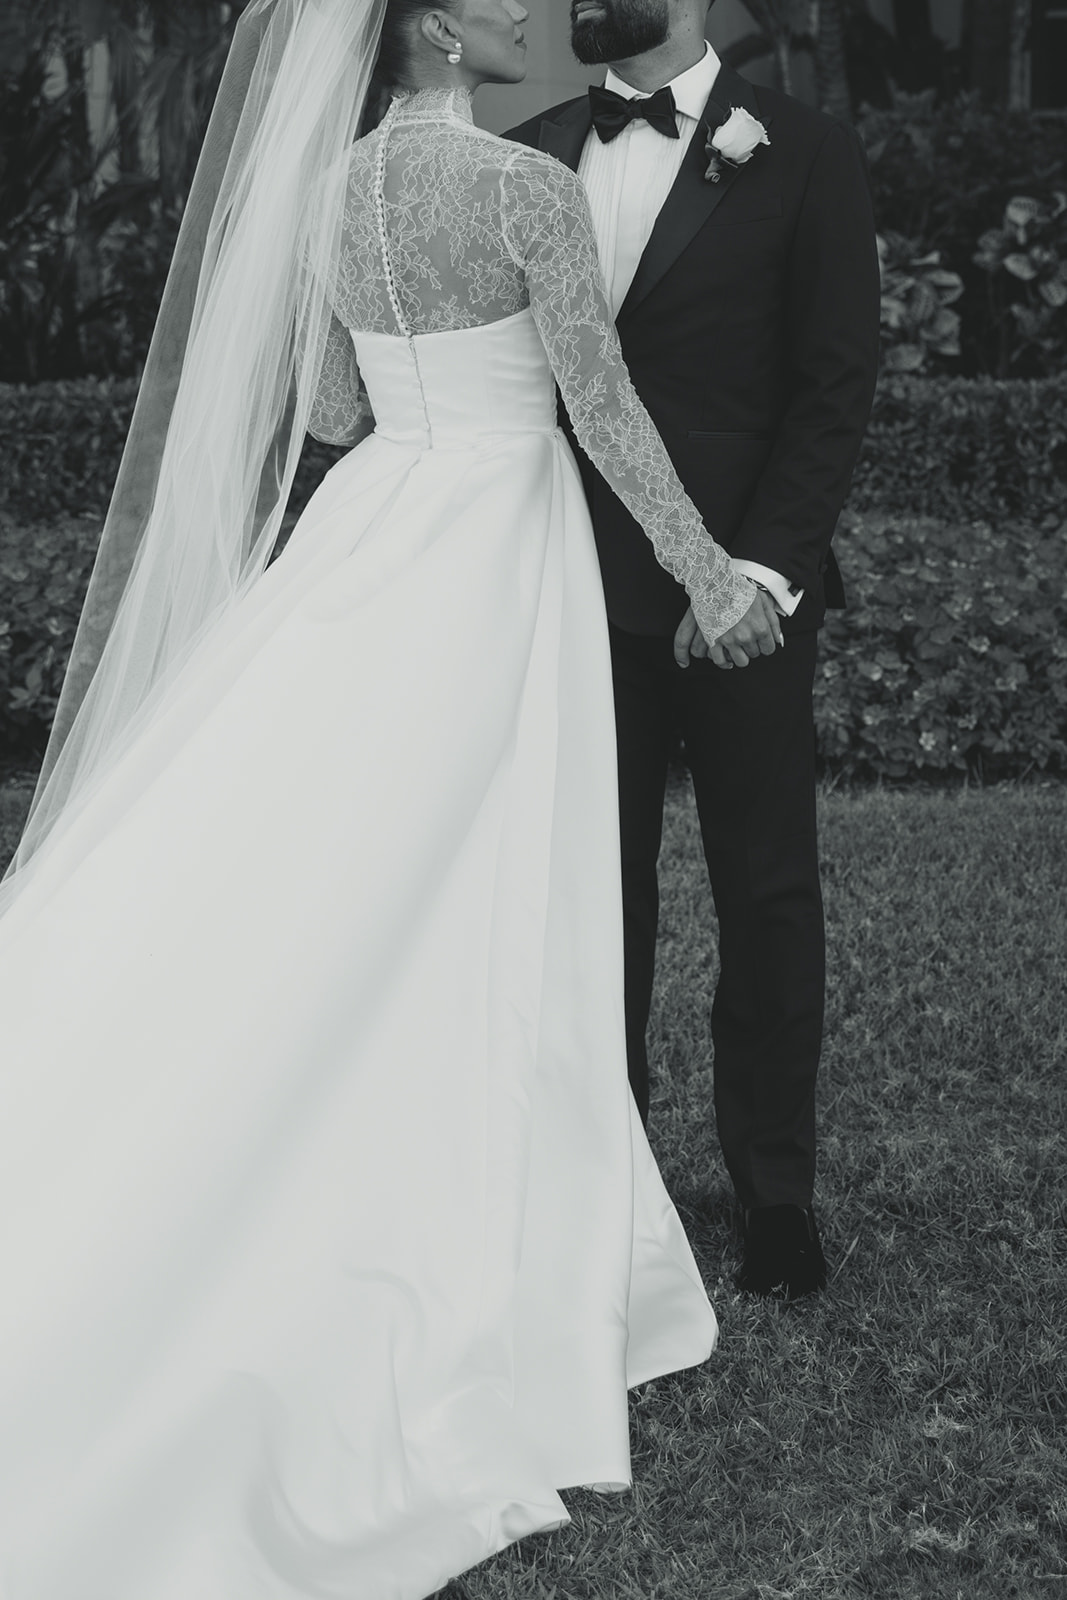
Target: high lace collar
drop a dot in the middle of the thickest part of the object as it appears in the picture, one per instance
(433, 105)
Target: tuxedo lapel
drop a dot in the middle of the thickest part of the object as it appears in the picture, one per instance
(565, 136)
(730, 90)
(693, 197)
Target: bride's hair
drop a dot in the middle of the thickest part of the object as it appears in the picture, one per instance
(392, 70)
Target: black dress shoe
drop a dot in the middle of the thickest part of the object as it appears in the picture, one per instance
(783, 1256)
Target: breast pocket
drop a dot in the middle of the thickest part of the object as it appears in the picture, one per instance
(703, 433)
(737, 207)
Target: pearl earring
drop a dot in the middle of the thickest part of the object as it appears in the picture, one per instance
(455, 55)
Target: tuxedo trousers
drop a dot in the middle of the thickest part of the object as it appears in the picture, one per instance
(750, 744)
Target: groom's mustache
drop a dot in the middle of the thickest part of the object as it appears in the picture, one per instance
(607, 30)
(588, 11)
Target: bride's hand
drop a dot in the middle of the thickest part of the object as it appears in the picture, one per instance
(759, 633)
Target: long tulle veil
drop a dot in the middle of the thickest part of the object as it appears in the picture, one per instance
(223, 406)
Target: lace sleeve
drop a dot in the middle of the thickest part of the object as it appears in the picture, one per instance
(549, 231)
(339, 411)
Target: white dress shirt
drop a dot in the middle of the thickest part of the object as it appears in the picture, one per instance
(627, 181)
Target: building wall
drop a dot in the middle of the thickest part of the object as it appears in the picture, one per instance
(554, 75)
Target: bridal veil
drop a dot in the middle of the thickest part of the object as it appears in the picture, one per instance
(231, 373)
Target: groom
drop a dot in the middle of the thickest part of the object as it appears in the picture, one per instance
(739, 256)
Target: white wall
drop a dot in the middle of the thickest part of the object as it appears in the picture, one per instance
(553, 74)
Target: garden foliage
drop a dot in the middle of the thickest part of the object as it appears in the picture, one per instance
(63, 443)
(952, 654)
(62, 446)
(962, 449)
(82, 259)
(44, 571)
(962, 180)
(948, 448)
(917, 298)
(970, 204)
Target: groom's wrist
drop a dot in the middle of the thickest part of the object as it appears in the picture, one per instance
(786, 596)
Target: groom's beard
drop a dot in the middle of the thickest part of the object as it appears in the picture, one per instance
(626, 28)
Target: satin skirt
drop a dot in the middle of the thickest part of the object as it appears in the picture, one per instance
(330, 1240)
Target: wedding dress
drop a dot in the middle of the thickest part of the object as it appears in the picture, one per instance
(329, 1237)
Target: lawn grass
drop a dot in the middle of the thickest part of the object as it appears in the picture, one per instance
(905, 1436)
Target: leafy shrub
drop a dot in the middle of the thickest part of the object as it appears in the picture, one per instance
(942, 175)
(44, 571)
(917, 292)
(63, 442)
(956, 533)
(64, 310)
(963, 449)
(84, 253)
(952, 448)
(1026, 258)
(952, 655)
(951, 658)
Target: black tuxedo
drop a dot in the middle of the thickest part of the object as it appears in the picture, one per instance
(751, 334)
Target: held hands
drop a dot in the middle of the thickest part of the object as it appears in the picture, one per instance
(759, 633)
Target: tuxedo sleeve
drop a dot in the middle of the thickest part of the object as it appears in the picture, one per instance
(832, 321)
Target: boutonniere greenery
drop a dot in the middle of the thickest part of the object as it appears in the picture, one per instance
(733, 142)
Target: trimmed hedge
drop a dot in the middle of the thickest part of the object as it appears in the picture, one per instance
(63, 443)
(951, 659)
(948, 447)
(963, 448)
(62, 446)
(44, 572)
(952, 655)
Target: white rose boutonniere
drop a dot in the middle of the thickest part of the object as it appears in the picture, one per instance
(733, 142)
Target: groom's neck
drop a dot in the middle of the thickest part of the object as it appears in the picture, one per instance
(682, 49)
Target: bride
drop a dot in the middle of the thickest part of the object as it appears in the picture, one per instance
(329, 1238)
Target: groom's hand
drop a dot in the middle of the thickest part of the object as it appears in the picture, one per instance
(689, 641)
(759, 633)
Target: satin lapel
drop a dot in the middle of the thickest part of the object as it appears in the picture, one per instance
(565, 137)
(731, 90)
(693, 197)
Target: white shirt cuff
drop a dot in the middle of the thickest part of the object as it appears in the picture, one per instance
(785, 595)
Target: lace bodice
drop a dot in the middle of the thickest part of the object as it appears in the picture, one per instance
(448, 227)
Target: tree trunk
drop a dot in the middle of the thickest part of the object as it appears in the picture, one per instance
(774, 20)
(831, 70)
(783, 55)
(127, 38)
(987, 48)
(1019, 95)
(74, 63)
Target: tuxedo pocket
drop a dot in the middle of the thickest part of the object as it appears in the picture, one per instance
(737, 207)
(703, 433)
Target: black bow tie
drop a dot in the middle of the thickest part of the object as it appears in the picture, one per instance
(613, 112)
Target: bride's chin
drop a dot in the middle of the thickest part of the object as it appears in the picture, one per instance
(515, 75)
